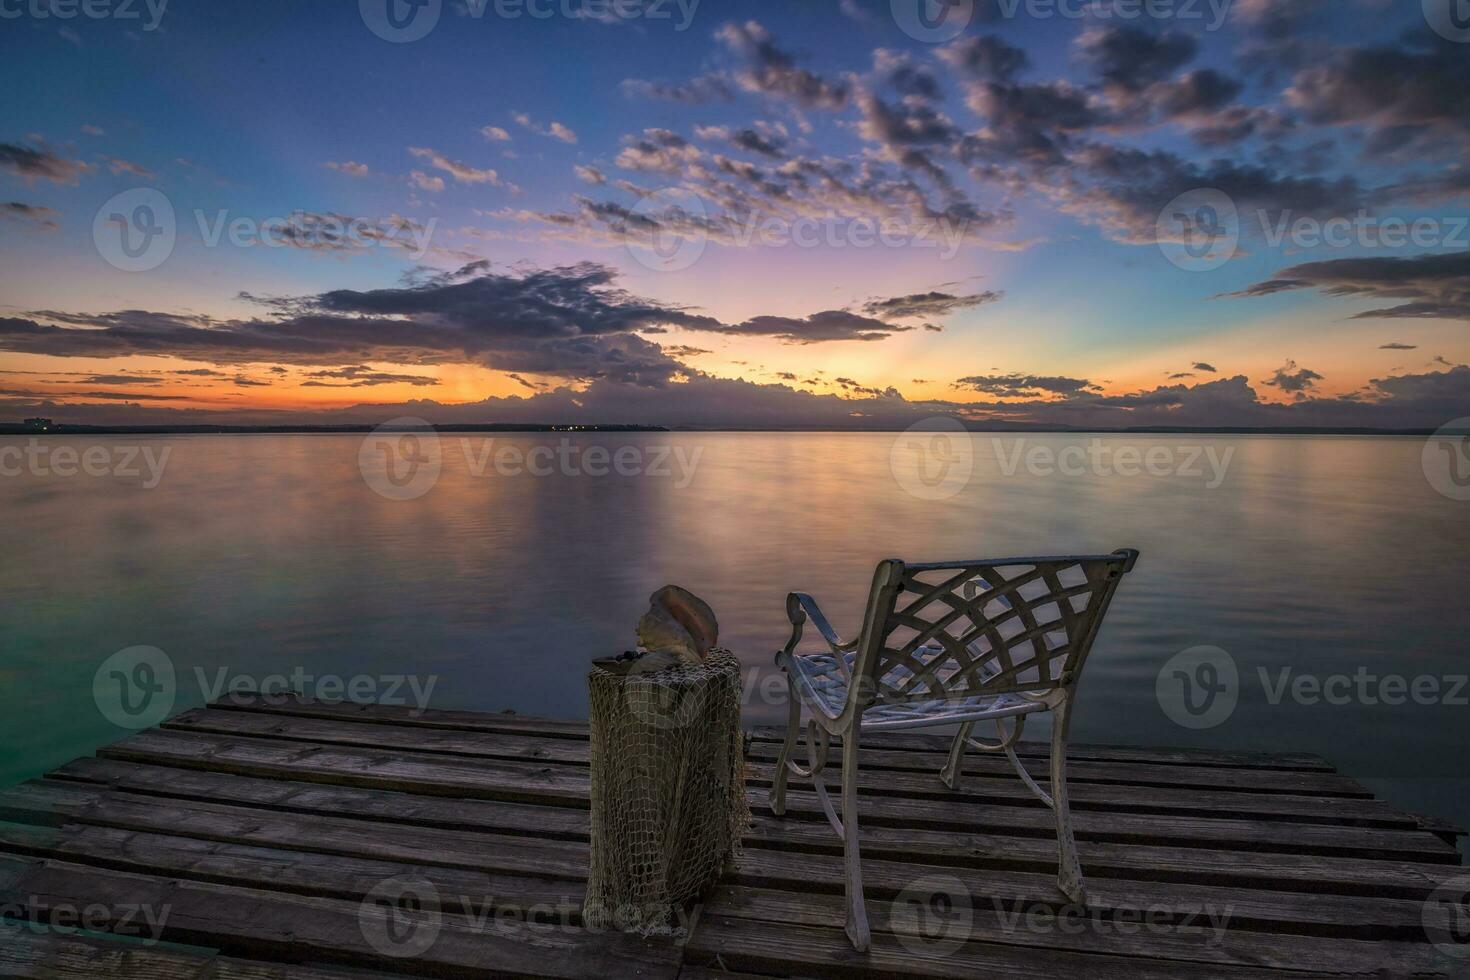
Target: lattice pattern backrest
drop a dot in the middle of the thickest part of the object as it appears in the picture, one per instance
(988, 627)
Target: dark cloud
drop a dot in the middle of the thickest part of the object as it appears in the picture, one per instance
(1131, 58)
(1397, 346)
(40, 163)
(1025, 385)
(768, 70)
(930, 304)
(769, 142)
(986, 58)
(359, 376)
(908, 77)
(1202, 366)
(1434, 285)
(695, 91)
(825, 326)
(1294, 380)
(35, 215)
(1407, 99)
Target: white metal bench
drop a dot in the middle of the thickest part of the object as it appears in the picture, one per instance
(948, 644)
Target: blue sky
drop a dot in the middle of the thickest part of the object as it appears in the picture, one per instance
(510, 173)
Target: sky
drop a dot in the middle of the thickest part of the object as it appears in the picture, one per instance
(857, 213)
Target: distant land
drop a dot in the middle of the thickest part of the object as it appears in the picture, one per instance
(22, 428)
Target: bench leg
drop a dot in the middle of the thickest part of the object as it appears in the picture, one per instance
(857, 913)
(954, 769)
(1069, 869)
(788, 749)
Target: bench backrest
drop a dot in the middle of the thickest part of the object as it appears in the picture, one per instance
(951, 630)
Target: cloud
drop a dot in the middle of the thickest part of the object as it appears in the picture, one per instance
(930, 304)
(986, 58)
(1397, 346)
(358, 376)
(1025, 385)
(769, 142)
(349, 167)
(1294, 380)
(589, 175)
(1408, 99)
(554, 131)
(695, 91)
(461, 172)
(34, 215)
(495, 134)
(1132, 58)
(424, 182)
(825, 326)
(32, 163)
(766, 69)
(1436, 285)
(1202, 366)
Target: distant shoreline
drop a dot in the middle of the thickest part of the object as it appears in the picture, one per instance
(68, 429)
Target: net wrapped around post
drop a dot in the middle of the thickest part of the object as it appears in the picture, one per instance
(668, 790)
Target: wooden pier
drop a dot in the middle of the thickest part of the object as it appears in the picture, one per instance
(267, 832)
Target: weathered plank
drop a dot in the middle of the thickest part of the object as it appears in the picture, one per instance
(805, 951)
(271, 925)
(496, 745)
(296, 872)
(971, 918)
(526, 853)
(1034, 821)
(511, 723)
(569, 785)
(31, 952)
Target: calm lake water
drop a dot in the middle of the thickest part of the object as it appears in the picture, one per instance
(253, 556)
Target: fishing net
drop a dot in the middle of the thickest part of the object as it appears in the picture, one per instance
(668, 791)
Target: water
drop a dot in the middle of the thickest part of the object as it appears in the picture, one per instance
(271, 555)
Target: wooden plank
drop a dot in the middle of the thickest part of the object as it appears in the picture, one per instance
(1124, 799)
(296, 872)
(1278, 872)
(804, 951)
(347, 838)
(271, 925)
(495, 745)
(480, 779)
(921, 741)
(519, 853)
(569, 785)
(512, 723)
(979, 765)
(29, 954)
(480, 745)
(1035, 821)
(501, 853)
(1207, 941)
(1269, 911)
(389, 806)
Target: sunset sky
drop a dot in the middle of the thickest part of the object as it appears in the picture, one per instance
(670, 213)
